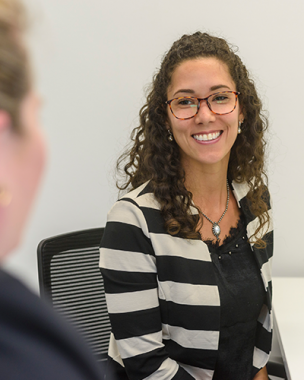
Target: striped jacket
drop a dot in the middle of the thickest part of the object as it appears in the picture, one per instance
(162, 296)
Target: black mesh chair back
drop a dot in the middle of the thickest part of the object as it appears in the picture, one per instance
(70, 278)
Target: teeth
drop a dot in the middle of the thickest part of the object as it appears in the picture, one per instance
(207, 137)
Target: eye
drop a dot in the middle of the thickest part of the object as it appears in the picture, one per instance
(186, 102)
(220, 99)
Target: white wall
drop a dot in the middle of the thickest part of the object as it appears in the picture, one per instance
(94, 57)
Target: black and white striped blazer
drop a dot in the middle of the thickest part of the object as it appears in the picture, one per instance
(162, 296)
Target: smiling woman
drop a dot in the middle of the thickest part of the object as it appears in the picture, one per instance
(188, 283)
(208, 135)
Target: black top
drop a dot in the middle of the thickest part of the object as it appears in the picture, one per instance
(242, 295)
(35, 343)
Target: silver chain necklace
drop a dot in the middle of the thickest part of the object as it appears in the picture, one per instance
(216, 230)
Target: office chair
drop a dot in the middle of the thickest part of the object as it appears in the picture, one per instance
(70, 278)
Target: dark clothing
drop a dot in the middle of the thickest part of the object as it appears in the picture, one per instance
(35, 343)
(242, 295)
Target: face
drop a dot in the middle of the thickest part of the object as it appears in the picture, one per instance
(205, 140)
(22, 159)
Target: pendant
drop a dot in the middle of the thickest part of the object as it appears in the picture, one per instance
(216, 230)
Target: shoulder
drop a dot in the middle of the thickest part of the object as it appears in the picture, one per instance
(35, 339)
(22, 309)
(134, 207)
(15, 296)
(241, 190)
(141, 196)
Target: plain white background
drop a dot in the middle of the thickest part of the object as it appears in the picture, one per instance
(93, 60)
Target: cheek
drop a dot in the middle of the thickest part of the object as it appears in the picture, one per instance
(31, 169)
(232, 123)
(170, 120)
(233, 133)
(178, 127)
(25, 176)
(35, 151)
(37, 158)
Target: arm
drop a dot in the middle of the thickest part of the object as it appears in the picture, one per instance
(261, 375)
(130, 275)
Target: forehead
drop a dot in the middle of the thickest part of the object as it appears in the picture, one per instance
(200, 75)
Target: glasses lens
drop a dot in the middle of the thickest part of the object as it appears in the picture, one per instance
(223, 102)
(184, 108)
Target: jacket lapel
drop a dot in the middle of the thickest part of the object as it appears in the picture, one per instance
(263, 256)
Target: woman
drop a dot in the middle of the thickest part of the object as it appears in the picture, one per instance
(186, 254)
(34, 343)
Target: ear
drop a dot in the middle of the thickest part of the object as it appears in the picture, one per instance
(242, 114)
(241, 117)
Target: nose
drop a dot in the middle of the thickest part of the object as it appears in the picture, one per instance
(204, 115)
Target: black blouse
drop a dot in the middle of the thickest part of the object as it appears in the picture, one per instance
(242, 296)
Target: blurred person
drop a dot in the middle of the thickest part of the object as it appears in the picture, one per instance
(186, 253)
(34, 342)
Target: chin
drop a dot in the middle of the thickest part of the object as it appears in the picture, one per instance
(215, 160)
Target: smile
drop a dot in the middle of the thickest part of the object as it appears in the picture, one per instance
(207, 136)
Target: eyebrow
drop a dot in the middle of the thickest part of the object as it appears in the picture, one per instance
(213, 88)
(190, 91)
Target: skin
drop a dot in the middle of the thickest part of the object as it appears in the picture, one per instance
(201, 78)
(261, 375)
(206, 165)
(22, 158)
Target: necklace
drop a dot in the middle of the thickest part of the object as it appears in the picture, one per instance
(216, 230)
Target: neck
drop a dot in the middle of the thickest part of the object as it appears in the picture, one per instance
(208, 188)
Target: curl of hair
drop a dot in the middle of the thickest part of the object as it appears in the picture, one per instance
(153, 157)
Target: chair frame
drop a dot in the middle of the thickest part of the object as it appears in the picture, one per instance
(61, 273)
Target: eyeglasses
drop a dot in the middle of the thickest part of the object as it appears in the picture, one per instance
(220, 103)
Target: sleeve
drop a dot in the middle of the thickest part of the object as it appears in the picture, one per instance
(264, 330)
(128, 266)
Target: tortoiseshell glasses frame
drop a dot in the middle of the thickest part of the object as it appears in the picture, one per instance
(199, 100)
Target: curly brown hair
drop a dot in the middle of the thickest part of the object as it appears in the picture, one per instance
(153, 157)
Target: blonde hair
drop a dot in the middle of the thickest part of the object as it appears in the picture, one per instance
(15, 79)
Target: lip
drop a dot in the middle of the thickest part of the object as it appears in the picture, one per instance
(206, 133)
